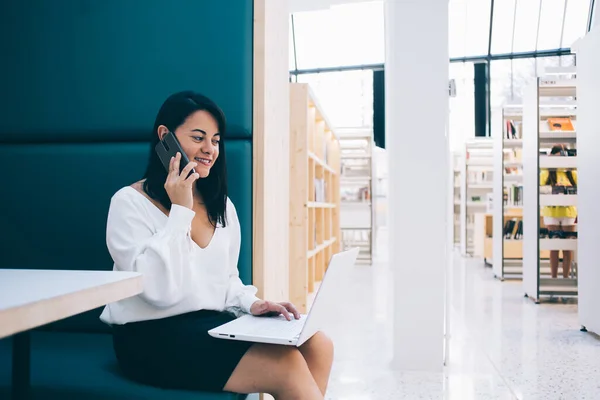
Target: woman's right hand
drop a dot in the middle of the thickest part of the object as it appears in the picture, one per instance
(178, 187)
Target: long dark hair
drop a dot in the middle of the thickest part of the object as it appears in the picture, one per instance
(552, 178)
(213, 189)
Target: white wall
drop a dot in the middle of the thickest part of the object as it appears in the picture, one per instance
(311, 5)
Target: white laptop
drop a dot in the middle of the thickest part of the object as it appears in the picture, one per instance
(278, 330)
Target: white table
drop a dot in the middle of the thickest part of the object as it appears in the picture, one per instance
(32, 298)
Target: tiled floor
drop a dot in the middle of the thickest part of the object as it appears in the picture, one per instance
(502, 346)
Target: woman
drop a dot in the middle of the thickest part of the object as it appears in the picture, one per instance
(181, 231)
(557, 218)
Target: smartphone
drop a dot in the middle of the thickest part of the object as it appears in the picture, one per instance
(167, 148)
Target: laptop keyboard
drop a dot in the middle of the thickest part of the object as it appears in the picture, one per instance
(276, 326)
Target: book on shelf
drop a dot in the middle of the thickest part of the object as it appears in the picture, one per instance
(513, 229)
(479, 177)
(513, 130)
(513, 196)
(513, 155)
(561, 124)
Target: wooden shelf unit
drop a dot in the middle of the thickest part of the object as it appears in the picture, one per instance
(314, 194)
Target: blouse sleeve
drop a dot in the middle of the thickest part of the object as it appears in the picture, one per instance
(239, 296)
(159, 256)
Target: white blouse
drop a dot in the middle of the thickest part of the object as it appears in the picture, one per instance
(178, 275)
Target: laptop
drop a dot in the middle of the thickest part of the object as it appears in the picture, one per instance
(278, 330)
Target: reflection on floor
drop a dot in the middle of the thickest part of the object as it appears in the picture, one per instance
(502, 346)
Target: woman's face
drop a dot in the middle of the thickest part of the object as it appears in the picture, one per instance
(199, 137)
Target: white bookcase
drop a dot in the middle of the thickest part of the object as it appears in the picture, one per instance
(547, 97)
(476, 177)
(457, 167)
(357, 218)
(508, 186)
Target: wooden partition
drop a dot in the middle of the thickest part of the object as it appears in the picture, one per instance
(314, 194)
(270, 146)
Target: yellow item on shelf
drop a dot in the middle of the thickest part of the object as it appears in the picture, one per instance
(561, 180)
(560, 124)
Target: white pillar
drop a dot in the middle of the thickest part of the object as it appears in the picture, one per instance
(416, 91)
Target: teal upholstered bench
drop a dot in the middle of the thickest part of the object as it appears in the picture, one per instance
(74, 130)
(83, 366)
(59, 223)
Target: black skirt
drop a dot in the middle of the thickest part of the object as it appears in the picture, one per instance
(177, 352)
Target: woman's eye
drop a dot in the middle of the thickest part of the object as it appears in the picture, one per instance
(198, 138)
(215, 142)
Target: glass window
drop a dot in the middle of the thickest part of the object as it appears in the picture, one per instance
(503, 26)
(576, 18)
(523, 74)
(469, 27)
(292, 55)
(457, 28)
(551, 22)
(346, 97)
(500, 92)
(350, 34)
(526, 25)
(546, 62)
(478, 27)
(555, 61)
(508, 80)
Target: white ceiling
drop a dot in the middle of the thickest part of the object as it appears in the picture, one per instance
(311, 5)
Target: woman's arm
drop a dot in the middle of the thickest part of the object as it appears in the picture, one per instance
(162, 257)
(243, 297)
(239, 296)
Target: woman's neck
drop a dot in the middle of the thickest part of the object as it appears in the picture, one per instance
(198, 197)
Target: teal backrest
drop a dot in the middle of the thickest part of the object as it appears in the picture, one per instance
(81, 91)
(54, 210)
(103, 68)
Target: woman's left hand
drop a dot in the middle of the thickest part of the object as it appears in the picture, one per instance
(269, 308)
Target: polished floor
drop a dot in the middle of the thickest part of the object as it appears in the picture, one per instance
(501, 345)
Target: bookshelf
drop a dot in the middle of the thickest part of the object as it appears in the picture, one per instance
(357, 206)
(314, 194)
(546, 100)
(476, 180)
(508, 186)
(457, 166)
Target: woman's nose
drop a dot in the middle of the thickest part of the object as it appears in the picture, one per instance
(206, 149)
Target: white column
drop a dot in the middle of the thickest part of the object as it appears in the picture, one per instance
(416, 90)
(588, 172)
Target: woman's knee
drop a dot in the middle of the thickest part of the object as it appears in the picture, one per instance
(277, 370)
(321, 345)
(295, 374)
